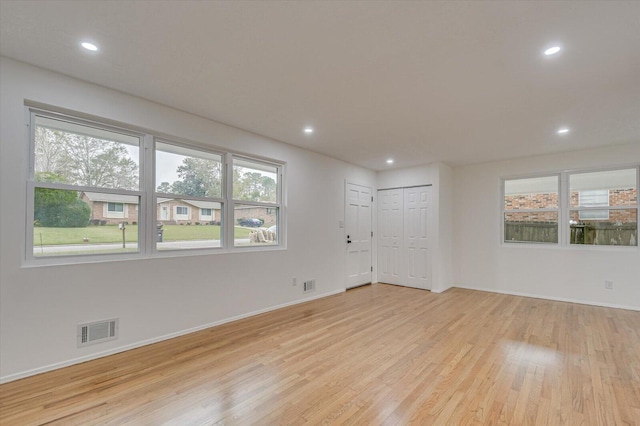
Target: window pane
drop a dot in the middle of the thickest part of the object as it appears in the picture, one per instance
(255, 226)
(254, 181)
(620, 227)
(534, 193)
(607, 188)
(531, 227)
(184, 171)
(80, 155)
(181, 224)
(71, 223)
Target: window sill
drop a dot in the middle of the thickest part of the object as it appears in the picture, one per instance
(124, 257)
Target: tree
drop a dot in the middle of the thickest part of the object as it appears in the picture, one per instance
(85, 160)
(200, 178)
(254, 186)
(49, 150)
(59, 207)
(164, 187)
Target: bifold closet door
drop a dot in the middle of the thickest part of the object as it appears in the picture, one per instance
(390, 236)
(417, 210)
(404, 257)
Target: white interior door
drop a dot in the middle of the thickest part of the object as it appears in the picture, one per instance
(416, 237)
(390, 236)
(358, 234)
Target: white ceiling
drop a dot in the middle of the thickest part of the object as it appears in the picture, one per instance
(457, 82)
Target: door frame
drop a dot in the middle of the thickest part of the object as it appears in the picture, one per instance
(372, 247)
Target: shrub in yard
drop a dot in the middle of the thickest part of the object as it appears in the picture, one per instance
(197, 223)
(134, 223)
(60, 208)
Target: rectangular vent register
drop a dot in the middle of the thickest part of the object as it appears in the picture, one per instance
(97, 332)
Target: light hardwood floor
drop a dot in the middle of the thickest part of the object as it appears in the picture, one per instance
(375, 355)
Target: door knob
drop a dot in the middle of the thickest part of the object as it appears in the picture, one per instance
(348, 239)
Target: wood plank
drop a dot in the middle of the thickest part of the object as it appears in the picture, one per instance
(377, 354)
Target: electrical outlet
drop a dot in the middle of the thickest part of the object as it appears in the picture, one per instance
(294, 281)
(608, 285)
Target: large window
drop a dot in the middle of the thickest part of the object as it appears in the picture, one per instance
(573, 208)
(96, 189)
(531, 210)
(82, 179)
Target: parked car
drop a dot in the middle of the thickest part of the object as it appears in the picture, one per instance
(252, 223)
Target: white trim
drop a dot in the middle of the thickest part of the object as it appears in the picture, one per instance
(555, 299)
(58, 365)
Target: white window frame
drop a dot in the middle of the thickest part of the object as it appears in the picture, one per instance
(544, 210)
(147, 206)
(278, 205)
(30, 259)
(564, 197)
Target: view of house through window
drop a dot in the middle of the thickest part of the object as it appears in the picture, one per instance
(600, 208)
(531, 210)
(88, 196)
(85, 184)
(188, 182)
(592, 224)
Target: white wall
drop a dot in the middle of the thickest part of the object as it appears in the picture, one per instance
(41, 306)
(440, 177)
(576, 273)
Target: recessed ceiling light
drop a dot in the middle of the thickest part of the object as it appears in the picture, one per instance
(563, 131)
(390, 161)
(308, 129)
(89, 46)
(552, 50)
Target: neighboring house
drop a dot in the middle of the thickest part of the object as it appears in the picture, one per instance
(115, 208)
(111, 208)
(176, 211)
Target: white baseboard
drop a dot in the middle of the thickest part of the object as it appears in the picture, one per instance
(556, 299)
(57, 365)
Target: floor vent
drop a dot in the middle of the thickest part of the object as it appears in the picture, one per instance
(97, 332)
(309, 286)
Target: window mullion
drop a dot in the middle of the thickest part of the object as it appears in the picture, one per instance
(229, 205)
(147, 214)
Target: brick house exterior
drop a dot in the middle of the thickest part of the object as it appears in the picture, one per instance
(616, 197)
(172, 211)
(111, 208)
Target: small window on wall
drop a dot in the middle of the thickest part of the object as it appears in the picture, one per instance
(115, 207)
(256, 202)
(594, 198)
(603, 207)
(531, 210)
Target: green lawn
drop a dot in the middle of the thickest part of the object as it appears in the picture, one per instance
(111, 234)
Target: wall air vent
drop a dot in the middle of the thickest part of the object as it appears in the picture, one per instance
(97, 332)
(309, 286)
